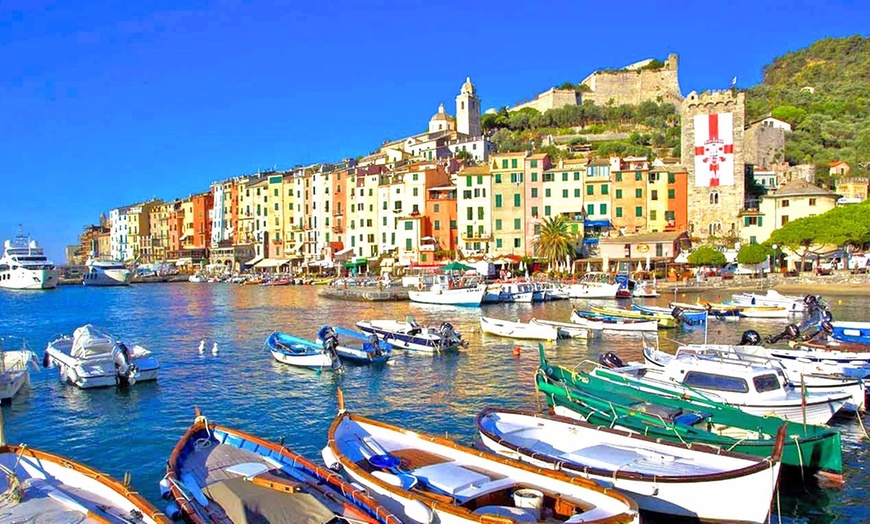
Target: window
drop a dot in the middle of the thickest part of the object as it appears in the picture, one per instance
(497, 242)
(714, 228)
(672, 178)
(534, 177)
(534, 192)
(672, 194)
(604, 189)
(602, 208)
(812, 201)
(654, 194)
(469, 214)
(564, 193)
(546, 211)
(534, 211)
(547, 192)
(784, 203)
(638, 211)
(414, 191)
(518, 223)
(504, 164)
(715, 382)
(407, 244)
(466, 194)
(714, 197)
(437, 207)
(513, 163)
(436, 225)
(652, 215)
(564, 177)
(659, 250)
(480, 213)
(468, 181)
(452, 224)
(415, 177)
(518, 242)
(498, 224)
(618, 212)
(638, 193)
(480, 180)
(576, 176)
(670, 216)
(498, 178)
(619, 177)
(638, 176)
(590, 209)
(577, 192)
(783, 220)
(497, 200)
(590, 189)
(618, 194)
(517, 200)
(533, 163)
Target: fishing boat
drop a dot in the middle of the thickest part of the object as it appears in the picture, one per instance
(609, 403)
(443, 291)
(296, 351)
(16, 359)
(412, 336)
(92, 358)
(664, 320)
(854, 332)
(748, 385)
(427, 479)
(277, 282)
(39, 486)
(594, 285)
(355, 347)
(688, 318)
(521, 330)
(611, 323)
(568, 330)
(511, 291)
(764, 312)
(721, 312)
(217, 474)
(662, 477)
(773, 298)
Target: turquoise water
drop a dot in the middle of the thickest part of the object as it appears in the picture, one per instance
(135, 430)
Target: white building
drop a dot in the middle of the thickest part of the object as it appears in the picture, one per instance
(118, 234)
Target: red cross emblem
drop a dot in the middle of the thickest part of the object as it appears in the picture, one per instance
(714, 149)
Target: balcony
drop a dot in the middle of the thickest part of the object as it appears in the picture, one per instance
(477, 236)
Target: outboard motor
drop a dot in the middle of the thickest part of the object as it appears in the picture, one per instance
(375, 343)
(827, 327)
(125, 370)
(810, 300)
(750, 338)
(447, 334)
(46, 360)
(791, 332)
(610, 360)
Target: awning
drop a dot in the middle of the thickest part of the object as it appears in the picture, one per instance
(253, 261)
(596, 223)
(271, 262)
(590, 240)
(355, 263)
(344, 251)
(184, 237)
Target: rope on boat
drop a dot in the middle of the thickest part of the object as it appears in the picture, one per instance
(861, 423)
(800, 456)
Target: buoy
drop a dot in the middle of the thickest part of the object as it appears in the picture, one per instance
(202, 346)
(214, 349)
(517, 351)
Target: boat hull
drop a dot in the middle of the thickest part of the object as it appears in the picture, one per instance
(519, 330)
(467, 297)
(32, 279)
(403, 335)
(98, 372)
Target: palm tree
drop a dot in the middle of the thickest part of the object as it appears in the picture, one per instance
(555, 241)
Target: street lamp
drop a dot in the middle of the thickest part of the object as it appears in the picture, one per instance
(775, 260)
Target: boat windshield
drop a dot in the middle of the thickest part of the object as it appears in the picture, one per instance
(715, 382)
(766, 383)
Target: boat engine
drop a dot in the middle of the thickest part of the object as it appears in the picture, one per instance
(750, 338)
(329, 338)
(610, 360)
(46, 360)
(791, 332)
(375, 343)
(448, 335)
(125, 371)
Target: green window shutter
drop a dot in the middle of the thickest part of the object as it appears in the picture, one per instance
(652, 215)
(546, 211)
(497, 200)
(498, 178)
(498, 224)
(590, 189)
(517, 223)
(564, 193)
(759, 221)
(517, 201)
(619, 177)
(577, 192)
(638, 211)
(745, 221)
(604, 189)
(497, 242)
(590, 209)
(618, 212)
(638, 193)
(468, 181)
(602, 208)
(672, 194)
(618, 194)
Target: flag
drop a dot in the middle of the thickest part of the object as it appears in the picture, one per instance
(714, 150)
(734, 81)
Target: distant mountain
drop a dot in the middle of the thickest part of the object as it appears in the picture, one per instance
(824, 92)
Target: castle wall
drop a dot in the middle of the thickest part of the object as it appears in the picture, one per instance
(765, 145)
(714, 204)
(550, 99)
(634, 86)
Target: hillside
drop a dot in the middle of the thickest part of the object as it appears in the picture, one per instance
(824, 92)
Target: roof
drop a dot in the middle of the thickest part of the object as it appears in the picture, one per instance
(836, 163)
(669, 236)
(467, 87)
(538, 156)
(474, 170)
(801, 188)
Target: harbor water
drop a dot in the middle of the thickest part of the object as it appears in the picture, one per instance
(134, 430)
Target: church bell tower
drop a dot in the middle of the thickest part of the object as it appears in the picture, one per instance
(468, 110)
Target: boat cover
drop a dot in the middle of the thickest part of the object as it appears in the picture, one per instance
(246, 503)
(89, 341)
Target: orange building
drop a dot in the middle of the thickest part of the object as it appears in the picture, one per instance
(678, 199)
(201, 220)
(440, 225)
(629, 176)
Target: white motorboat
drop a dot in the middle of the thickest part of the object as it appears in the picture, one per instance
(758, 390)
(593, 285)
(608, 323)
(764, 312)
(92, 358)
(662, 477)
(426, 478)
(25, 266)
(442, 291)
(772, 298)
(38, 486)
(412, 336)
(512, 291)
(106, 273)
(570, 330)
(16, 358)
(521, 330)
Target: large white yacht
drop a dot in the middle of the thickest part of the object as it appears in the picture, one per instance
(106, 273)
(25, 266)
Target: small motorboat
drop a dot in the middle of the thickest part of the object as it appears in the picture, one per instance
(663, 477)
(16, 359)
(412, 336)
(426, 478)
(93, 358)
(521, 330)
(296, 351)
(39, 486)
(569, 330)
(611, 323)
(221, 475)
(355, 347)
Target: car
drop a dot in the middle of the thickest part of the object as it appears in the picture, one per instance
(728, 271)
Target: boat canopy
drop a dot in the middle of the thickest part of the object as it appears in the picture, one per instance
(89, 341)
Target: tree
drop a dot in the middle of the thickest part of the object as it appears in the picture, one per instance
(464, 155)
(706, 256)
(752, 254)
(555, 240)
(798, 236)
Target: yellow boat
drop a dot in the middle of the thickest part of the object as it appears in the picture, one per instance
(664, 321)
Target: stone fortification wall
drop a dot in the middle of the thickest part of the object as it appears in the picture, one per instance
(765, 146)
(635, 85)
(725, 207)
(550, 99)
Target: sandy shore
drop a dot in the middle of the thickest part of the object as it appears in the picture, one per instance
(822, 288)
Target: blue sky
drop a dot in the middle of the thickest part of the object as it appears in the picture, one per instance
(104, 104)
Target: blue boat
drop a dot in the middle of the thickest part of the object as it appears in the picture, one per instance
(688, 318)
(295, 351)
(356, 347)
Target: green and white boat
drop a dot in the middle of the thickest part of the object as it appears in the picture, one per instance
(577, 394)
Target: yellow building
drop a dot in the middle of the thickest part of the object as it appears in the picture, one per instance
(474, 209)
(657, 199)
(508, 203)
(139, 230)
(853, 189)
(159, 232)
(797, 199)
(563, 193)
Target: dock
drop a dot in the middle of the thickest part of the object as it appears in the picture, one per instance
(365, 294)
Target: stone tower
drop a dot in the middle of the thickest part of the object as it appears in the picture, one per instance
(712, 153)
(468, 110)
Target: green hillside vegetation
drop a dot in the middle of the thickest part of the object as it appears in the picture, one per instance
(824, 92)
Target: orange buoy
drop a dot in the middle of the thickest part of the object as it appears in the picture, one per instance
(517, 351)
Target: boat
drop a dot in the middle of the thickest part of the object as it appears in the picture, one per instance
(576, 394)
(773, 298)
(296, 351)
(722, 312)
(93, 358)
(747, 385)
(222, 475)
(277, 282)
(764, 312)
(569, 330)
(663, 320)
(16, 359)
(25, 266)
(854, 332)
(39, 486)
(410, 335)
(662, 477)
(106, 273)
(687, 318)
(356, 347)
(521, 330)
(593, 285)
(443, 291)
(511, 291)
(197, 277)
(643, 284)
(610, 323)
(428, 479)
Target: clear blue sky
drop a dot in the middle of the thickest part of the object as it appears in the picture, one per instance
(104, 104)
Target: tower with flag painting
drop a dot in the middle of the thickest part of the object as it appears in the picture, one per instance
(712, 153)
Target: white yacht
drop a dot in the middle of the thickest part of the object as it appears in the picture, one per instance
(25, 266)
(106, 273)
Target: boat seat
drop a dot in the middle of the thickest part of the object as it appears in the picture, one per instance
(450, 478)
(512, 512)
(604, 456)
